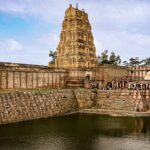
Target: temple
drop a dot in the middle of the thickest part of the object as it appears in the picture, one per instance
(75, 71)
(76, 47)
(75, 64)
(76, 53)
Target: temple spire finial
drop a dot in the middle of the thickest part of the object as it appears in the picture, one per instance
(76, 5)
(70, 5)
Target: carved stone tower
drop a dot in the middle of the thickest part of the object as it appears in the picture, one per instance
(76, 47)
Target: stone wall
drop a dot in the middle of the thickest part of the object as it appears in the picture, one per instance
(108, 73)
(24, 105)
(85, 98)
(123, 100)
(21, 76)
(28, 105)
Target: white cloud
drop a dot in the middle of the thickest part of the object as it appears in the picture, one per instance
(12, 50)
(14, 45)
(124, 43)
(47, 10)
(49, 39)
(10, 45)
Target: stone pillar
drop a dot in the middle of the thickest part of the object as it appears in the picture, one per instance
(0, 79)
(59, 81)
(46, 79)
(129, 86)
(54, 80)
(117, 85)
(29, 80)
(147, 94)
(141, 74)
(62, 80)
(40, 79)
(10, 80)
(34, 79)
(3, 80)
(17, 80)
(7, 79)
(23, 80)
(134, 86)
(50, 80)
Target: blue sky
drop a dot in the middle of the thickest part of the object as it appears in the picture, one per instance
(30, 28)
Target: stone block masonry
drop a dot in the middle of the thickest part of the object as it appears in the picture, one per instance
(28, 105)
(123, 100)
(85, 98)
(24, 105)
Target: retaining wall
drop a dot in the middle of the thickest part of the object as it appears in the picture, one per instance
(123, 100)
(24, 105)
(28, 105)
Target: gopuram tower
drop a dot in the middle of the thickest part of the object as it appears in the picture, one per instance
(76, 47)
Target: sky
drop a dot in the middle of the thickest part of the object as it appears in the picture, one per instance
(29, 29)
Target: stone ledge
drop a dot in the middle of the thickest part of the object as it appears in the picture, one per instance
(119, 113)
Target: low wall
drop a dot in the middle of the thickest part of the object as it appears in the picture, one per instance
(123, 100)
(28, 105)
(22, 76)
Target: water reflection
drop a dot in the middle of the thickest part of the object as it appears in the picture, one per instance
(77, 132)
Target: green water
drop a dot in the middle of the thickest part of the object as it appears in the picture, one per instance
(77, 132)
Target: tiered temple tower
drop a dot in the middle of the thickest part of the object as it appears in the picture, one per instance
(76, 47)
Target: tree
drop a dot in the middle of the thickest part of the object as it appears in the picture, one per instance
(125, 63)
(146, 61)
(103, 59)
(106, 59)
(52, 55)
(113, 59)
(134, 61)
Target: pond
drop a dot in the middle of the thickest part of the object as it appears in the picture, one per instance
(77, 132)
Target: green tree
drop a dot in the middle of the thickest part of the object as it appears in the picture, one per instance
(134, 61)
(103, 59)
(52, 55)
(146, 61)
(113, 59)
(125, 63)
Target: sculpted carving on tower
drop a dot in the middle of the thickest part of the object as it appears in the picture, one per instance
(76, 47)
